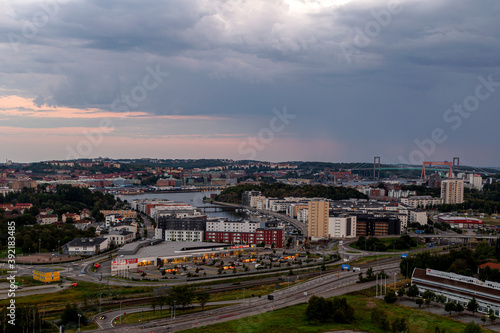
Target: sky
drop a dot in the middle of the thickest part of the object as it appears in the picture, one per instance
(273, 80)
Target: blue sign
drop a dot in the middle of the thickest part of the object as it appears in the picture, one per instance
(404, 255)
(344, 266)
(419, 231)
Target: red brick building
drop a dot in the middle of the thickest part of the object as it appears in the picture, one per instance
(268, 236)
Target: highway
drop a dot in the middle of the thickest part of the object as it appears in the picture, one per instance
(328, 285)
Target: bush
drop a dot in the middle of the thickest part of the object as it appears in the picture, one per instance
(323, 310)
(390, 297)
(400, 326)
(379, 319)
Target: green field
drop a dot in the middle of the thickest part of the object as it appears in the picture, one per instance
(295, 322)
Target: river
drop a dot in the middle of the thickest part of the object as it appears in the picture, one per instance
(192, 198)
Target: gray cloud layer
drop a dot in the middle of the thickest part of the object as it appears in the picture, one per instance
(242, 58)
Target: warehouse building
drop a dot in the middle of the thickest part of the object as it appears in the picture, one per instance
(459, 288)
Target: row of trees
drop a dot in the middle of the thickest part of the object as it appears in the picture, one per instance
(463, 261)
(28, 318)
(182, 296)
(404, 242)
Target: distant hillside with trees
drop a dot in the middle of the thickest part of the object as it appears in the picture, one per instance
(65, 199)
(278, 190)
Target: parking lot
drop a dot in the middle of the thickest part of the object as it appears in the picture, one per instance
(241, 263)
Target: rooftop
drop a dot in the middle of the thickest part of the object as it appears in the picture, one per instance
(171, 249)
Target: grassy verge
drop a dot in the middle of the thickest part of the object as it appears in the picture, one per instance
(26, 281)
(85, 292)
(135, 318)
(256, 291)
(419, 321)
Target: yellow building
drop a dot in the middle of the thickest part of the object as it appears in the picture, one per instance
(318, 219)
(46, 275)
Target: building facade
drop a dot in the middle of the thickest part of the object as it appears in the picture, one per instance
(459, 289)
(43, 274)
(342, 226)
(270, 237)
(317, 226)
(452, 191)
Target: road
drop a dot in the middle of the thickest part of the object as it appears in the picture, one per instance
(328, 285)
(112, 317)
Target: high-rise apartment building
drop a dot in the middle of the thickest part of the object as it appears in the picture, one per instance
(452, 191)
(318, 219)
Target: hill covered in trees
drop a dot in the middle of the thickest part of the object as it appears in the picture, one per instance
(278, 190)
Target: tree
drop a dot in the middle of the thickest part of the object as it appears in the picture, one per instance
(472, 306)
(342, 312)
(154, 304)
(483, 319)
(390, 297)
(441, 299)
(70, 314)
(419, 301)
(472, 328)
(400, 326)
(459, 308)
(401, 292)
(379, 319)
(429, 295)
(203, 298)
(413, 291)
(450, 307)
(322, 310)
(491, 315)
(317, 309)
(182, 295)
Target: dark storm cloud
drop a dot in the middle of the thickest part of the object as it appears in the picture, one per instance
(243, 58)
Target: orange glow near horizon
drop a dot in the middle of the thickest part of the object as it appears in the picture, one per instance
(20, 106)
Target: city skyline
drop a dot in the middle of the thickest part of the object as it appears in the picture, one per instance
(289, 80)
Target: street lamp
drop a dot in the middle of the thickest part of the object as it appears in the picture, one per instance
(172, 315)
(79, 316)
(39, 246)
(121, 313)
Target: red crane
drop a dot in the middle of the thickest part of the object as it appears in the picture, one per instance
(449, 164)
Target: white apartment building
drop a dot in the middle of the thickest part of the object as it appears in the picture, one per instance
(233, 226)
(342, 226)
(181, 235)
(418, 216)
(476, 181)
(174, 211)
(452, 191)
(421, 201)
(255, 199)
(303, 215)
